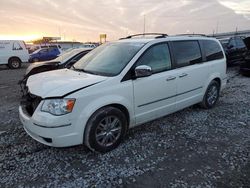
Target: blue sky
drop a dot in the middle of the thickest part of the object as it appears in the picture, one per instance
(85, 20)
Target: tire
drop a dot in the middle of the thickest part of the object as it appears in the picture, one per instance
(105, 129)
(14, 63)
(211, 96)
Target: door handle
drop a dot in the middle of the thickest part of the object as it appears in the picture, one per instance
(171, 78)
(183, 75)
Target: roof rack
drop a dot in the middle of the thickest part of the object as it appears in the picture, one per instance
(192, 35)
(159, 35)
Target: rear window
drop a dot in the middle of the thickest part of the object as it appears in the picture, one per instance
(213, 50)
(187, 53)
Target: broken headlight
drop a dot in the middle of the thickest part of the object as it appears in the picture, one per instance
(58, 106)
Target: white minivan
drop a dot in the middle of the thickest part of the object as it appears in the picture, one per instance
(13, 53)
(120, 85)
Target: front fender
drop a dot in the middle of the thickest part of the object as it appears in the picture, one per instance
(95, 105)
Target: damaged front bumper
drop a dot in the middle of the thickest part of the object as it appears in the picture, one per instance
(48, 129)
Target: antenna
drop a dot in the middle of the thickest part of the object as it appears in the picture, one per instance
(144, 25)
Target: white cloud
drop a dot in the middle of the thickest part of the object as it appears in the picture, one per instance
(84, 20)
(239, 7)
(203, 7)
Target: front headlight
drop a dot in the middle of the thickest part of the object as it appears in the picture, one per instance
(58, 107)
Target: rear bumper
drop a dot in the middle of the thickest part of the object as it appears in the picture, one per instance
(60, 136)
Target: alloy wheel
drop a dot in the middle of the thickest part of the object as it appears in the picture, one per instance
(212, 95)
(108, 131)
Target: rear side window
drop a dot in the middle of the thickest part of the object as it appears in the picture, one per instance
(240, 43)
(187, 53)
(232, 43)
(157, 57)
(43, 51)
(213, 50)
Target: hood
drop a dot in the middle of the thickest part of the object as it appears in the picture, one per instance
(40, 64)
(247, 42)
(60, 82)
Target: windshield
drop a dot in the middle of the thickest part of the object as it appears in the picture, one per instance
(66, 55)
(37, 51)
(108, 59)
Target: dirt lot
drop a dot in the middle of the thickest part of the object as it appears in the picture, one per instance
(191, 148)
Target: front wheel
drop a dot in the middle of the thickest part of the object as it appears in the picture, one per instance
(14, 63)
(105, 129)
(211, 96)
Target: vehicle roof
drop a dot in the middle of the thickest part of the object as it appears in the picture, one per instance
(168, 38)
(11, 41)
(64, 57)
(81, 49)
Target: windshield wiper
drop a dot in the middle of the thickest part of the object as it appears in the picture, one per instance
(90, 72)
(76, 69)
(73, 67)
(83, 70)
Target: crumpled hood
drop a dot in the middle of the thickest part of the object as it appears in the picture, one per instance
(40, 64)
(60, 82)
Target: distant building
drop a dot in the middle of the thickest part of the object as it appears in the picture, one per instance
(67, 44)
(245, 33)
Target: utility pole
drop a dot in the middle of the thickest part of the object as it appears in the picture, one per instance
(59, 29)
(217, 27)
(144, 25)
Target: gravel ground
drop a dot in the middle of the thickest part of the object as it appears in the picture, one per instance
(191, 148)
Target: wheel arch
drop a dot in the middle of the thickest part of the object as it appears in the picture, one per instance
(215, 77)
(14, 57)
(123, 109)
(91, 108)
(86, 131)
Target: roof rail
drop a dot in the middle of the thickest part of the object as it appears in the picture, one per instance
(160, 35)
(192, 35)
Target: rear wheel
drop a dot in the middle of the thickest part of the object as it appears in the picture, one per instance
(211, 96)
(14, 63)
(105, 129)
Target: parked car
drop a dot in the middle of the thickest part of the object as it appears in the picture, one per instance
(88, 46)
(120, 85)
(13, 53)
(235, 49)
(34, 47)
(245, 65)
(45, 54)
(65, 60)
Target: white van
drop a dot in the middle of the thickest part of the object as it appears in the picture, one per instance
(120, 85)
(13, 53)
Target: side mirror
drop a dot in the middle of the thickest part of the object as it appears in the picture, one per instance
(143, 71)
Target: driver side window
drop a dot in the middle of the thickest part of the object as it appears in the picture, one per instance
(44, 51)
(157, 57)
